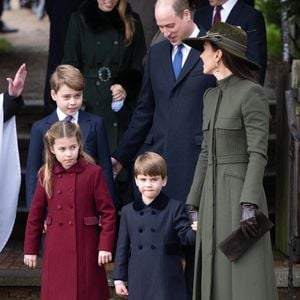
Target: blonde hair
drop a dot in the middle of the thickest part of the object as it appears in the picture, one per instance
(67, 75)
(150, 163)
(128, 21)
(59, 130)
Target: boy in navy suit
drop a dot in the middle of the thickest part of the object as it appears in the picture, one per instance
(67, 85)
(151, 232)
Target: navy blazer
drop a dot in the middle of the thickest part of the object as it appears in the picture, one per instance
(168, 117)
(252, 21)
(94, 140)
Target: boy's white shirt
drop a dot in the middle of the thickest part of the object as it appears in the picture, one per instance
(10, 176)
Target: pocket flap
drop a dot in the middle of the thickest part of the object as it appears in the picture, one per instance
(229, 123)
(205, 124)
(91, 221)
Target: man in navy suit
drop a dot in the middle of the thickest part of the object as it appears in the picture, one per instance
(168, 116)
(66, 90)
(237, 12)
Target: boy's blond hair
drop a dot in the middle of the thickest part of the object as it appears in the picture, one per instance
(151, 164)
(67, 75)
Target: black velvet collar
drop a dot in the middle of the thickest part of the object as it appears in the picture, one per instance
(97, 20)
(160, 202)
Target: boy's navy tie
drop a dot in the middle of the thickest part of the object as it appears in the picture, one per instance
(177, 62)
(69, 118)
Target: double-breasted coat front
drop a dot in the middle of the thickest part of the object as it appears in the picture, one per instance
(73, 238)
(148, 250)
(229, 172)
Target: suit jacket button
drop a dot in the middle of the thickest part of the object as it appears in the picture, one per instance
(140, 230)
(141, 213)
(140, 247)
(153, 247)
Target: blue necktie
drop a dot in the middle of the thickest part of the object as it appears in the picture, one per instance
(177, 62)
(69, 118)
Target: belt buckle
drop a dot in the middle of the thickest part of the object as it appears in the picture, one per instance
(104, 74)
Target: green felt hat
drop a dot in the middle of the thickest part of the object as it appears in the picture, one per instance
(230, 38)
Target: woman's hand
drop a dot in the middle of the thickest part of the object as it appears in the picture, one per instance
(104, 257)
(30, 260)
(248, 220)
(117, 92)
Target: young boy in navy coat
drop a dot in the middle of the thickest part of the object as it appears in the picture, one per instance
(152, 229)
(67, 85)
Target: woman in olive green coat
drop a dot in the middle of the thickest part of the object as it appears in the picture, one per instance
(228, 183)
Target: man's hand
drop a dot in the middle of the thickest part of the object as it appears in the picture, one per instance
(30, 260)
(121, 289)
(116, 166)
(16, 85)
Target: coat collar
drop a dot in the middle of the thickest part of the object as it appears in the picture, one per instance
(98, 20)
(77, 168)
(160, 202)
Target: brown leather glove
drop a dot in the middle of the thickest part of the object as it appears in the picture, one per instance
(248, 220)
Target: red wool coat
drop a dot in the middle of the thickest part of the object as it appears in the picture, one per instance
(70, 268)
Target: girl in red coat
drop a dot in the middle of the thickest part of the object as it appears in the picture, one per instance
(71, 197)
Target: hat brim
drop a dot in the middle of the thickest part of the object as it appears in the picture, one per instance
(198, 42)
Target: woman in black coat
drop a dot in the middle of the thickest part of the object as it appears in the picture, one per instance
(106, 42)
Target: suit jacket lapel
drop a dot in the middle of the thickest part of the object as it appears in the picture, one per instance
(84, 122)
(192, 59)
(235, 13)
(166, 62)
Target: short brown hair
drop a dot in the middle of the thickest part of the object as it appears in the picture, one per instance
(67, 75)
(151, 164)
(178, 5)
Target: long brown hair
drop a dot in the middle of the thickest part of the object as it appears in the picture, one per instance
(236, 65)
(59, 130)
(128, 21)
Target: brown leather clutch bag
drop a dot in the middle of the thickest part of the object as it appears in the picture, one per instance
(235, 245)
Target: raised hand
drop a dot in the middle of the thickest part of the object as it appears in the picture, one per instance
(16, 85)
